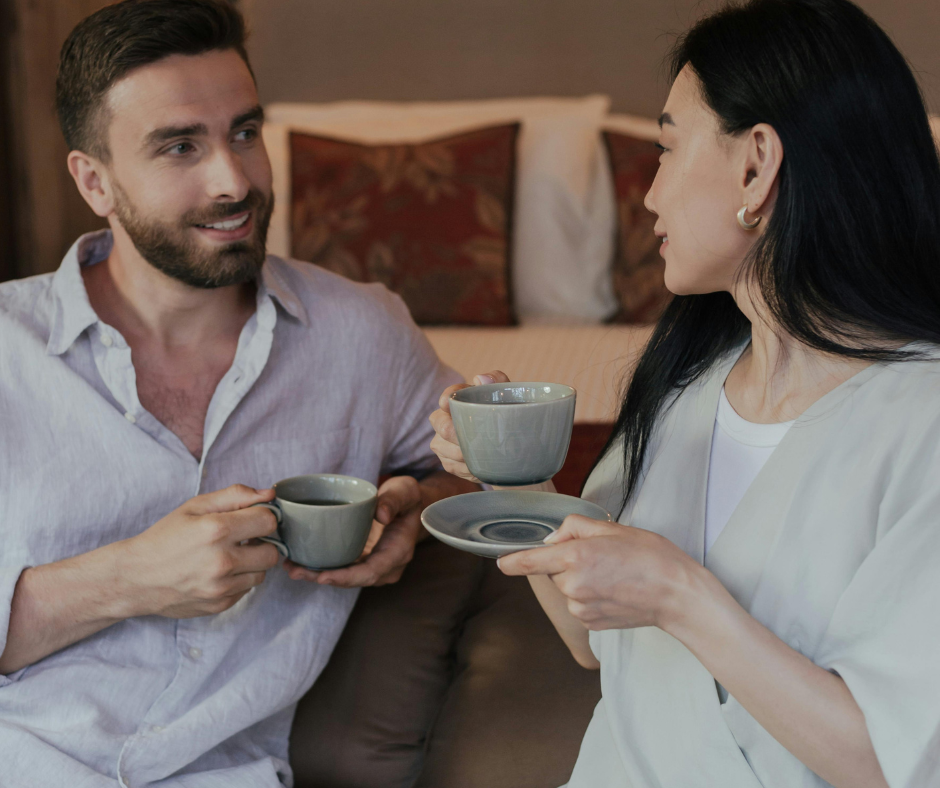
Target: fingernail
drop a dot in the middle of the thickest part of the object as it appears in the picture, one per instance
(498, 563)
(383, 512)
(485, 379)
(551, 537)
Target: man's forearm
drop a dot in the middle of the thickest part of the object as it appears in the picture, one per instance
(56, 605)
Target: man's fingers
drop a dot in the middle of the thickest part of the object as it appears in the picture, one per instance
(538, 561)
(231, 499)
(244, 524)
(398, 495)
(252, 558)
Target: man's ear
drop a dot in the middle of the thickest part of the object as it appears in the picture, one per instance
(91, 178)
(763, 155)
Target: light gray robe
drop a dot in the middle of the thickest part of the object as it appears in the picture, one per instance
(835, 548)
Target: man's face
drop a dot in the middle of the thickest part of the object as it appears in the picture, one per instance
(190, 176)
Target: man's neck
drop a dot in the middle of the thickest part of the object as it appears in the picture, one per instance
(148, 306)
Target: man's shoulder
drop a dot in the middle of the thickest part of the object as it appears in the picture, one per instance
(27, 301)
(329, 296)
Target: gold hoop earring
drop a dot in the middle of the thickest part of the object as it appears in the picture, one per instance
(744, 224)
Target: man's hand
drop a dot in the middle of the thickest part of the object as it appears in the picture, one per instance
(391, 544)
(199, 560)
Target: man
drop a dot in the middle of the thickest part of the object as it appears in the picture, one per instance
(146, 637)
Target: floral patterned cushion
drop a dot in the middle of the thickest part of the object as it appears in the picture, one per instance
(431, 221)
(638, 266)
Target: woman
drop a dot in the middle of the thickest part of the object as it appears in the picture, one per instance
(765, 613)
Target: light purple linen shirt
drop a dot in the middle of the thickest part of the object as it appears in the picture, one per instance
(329, 376)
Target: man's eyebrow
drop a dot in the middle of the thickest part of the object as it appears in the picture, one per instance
(167, 133)
(255, 113)
(666, 118)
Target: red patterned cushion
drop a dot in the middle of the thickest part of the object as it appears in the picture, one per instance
(430, 221)
(638, 266)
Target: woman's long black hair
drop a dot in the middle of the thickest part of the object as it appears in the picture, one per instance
(850, 258)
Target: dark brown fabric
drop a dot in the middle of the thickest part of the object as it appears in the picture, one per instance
(518, 708)
(430, 221)
(365, 721)
(638, 265)
(587, 440)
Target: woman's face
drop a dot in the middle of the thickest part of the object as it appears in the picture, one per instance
(698, 190)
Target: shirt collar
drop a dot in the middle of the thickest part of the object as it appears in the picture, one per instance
(272, 283)
(73, 311)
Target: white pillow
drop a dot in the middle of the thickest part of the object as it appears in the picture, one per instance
(633, 125)
(564, 215)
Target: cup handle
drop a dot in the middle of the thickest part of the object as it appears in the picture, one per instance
(275, 540)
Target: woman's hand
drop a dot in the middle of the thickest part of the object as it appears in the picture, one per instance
(444, 444)
(613, 576)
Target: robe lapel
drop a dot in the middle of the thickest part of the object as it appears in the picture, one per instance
(741, 552)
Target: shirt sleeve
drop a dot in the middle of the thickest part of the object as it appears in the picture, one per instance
(9, 576)
(884, 641)
(421, 379)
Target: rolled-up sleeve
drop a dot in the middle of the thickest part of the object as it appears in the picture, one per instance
(421, 379)
(9, 577)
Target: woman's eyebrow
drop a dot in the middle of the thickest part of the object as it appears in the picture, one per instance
(666, 118)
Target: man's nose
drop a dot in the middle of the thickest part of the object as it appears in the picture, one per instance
(226, 180)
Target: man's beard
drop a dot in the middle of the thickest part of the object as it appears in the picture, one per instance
(168, 249)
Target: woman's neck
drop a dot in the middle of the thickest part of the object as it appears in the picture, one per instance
(778, 377)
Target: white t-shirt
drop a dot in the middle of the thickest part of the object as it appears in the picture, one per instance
(739, 450)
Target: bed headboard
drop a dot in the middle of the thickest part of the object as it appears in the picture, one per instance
(331, 50)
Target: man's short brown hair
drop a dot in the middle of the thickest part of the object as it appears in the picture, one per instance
(114, 41)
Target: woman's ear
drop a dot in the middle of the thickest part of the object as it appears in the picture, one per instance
(92, 180)
(763, 155)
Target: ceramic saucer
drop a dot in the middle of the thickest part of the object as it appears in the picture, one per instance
(498, 522)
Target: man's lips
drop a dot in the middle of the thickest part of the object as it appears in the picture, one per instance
(233, 228)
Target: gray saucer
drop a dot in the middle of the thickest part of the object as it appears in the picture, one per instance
(498, 522)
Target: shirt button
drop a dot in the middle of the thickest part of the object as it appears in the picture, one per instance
(106, 340)
(130, 418)
(195, 653)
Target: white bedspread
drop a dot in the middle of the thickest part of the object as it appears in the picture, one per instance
(590, 358)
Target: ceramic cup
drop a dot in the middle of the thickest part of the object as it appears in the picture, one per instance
(323, 520)
(514, 433)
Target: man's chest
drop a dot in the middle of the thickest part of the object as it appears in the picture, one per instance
(179, 401)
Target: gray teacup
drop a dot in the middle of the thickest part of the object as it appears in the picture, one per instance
(514, 433)
(323, 520)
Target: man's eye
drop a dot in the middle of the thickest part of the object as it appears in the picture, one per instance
(246, 135)
(180, 149)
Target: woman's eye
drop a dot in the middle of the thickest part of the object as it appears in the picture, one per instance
(660, 148)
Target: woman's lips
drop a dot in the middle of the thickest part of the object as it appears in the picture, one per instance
(663, 245)
(228, 230)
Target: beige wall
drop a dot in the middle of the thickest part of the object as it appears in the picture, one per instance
(322, 50)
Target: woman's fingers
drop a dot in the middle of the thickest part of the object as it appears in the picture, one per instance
(444, 401)
(491, 377)
(444, 426)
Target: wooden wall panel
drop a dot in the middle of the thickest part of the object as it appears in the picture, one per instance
(51, 213)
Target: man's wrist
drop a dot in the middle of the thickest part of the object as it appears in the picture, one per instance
(123, 596)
